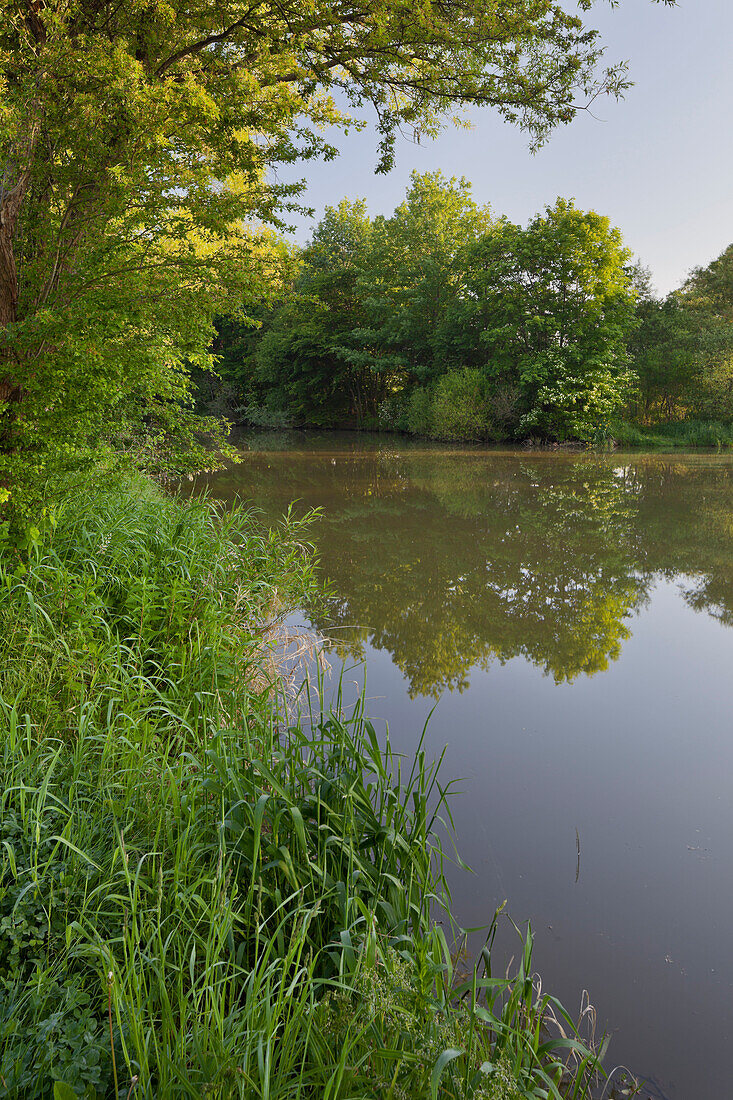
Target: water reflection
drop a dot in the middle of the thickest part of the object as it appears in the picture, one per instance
(442, 561)
(453, 560)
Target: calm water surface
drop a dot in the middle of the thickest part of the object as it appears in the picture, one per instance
(572, 615)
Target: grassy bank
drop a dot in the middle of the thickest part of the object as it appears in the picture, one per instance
(200, 897)
(674, 433)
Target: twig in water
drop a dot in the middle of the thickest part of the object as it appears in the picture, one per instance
(577, 845)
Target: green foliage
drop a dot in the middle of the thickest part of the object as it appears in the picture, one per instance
(418, 419)
(303, 366)
(712, 286)
(187, 866)
(575, 400)
(458, 406)
(553, 304)
(137, 577)
(461, 407)
(674, 433)
(413, 277)
(666, 350)
(683, 348)
(51, 1019)
(264, 416)
(388, 1009)
(445, 322)
(713, 396)
(336, 253)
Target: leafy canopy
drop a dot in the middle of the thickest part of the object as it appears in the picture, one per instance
(555, 303)
(416, 266)
(445, 320)
(683, 348)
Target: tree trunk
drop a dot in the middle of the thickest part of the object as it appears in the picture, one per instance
(10, 203)
(10, 387)
(12, 194)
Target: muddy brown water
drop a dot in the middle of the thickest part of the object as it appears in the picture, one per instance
(572, 616)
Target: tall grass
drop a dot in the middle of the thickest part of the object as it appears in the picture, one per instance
(675, 433)
(198, 896)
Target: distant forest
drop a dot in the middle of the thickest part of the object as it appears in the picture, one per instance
(447, 320)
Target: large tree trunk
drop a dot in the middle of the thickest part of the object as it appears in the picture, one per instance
(10, 204)
(12, 192)
(10, 386)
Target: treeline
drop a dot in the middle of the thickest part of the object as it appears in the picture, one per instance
(682, 348)
(449, 321)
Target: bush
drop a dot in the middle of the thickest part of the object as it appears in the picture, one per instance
(574, 400)
(461, 407)
(420, 412)
(262, 416)
(393, 412)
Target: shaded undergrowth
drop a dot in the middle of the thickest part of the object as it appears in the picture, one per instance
(200, 897)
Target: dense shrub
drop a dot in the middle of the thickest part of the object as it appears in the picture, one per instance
(461, 407)
(419, 415)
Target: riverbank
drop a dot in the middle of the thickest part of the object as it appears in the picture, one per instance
(667, 435)
(687, 434)
(200, 896)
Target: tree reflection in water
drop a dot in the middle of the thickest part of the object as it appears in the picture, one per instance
(451, 560)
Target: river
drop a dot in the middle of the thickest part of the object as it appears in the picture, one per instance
(568, 616)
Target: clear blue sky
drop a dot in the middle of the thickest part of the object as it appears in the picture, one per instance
(659, 163)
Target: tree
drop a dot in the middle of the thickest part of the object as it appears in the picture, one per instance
(683, 348)
(413, 277)
(370, 303)
(305, 362)
(709, 294)
(134, 146)
(453, 324)
(668, 351)
(552, 306)
(712, 287)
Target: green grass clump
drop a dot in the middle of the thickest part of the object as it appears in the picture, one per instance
(199, 896)
(674, 433)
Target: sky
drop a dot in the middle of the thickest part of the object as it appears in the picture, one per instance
(659, 163)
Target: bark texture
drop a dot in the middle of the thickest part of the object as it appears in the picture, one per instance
(13, 187)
